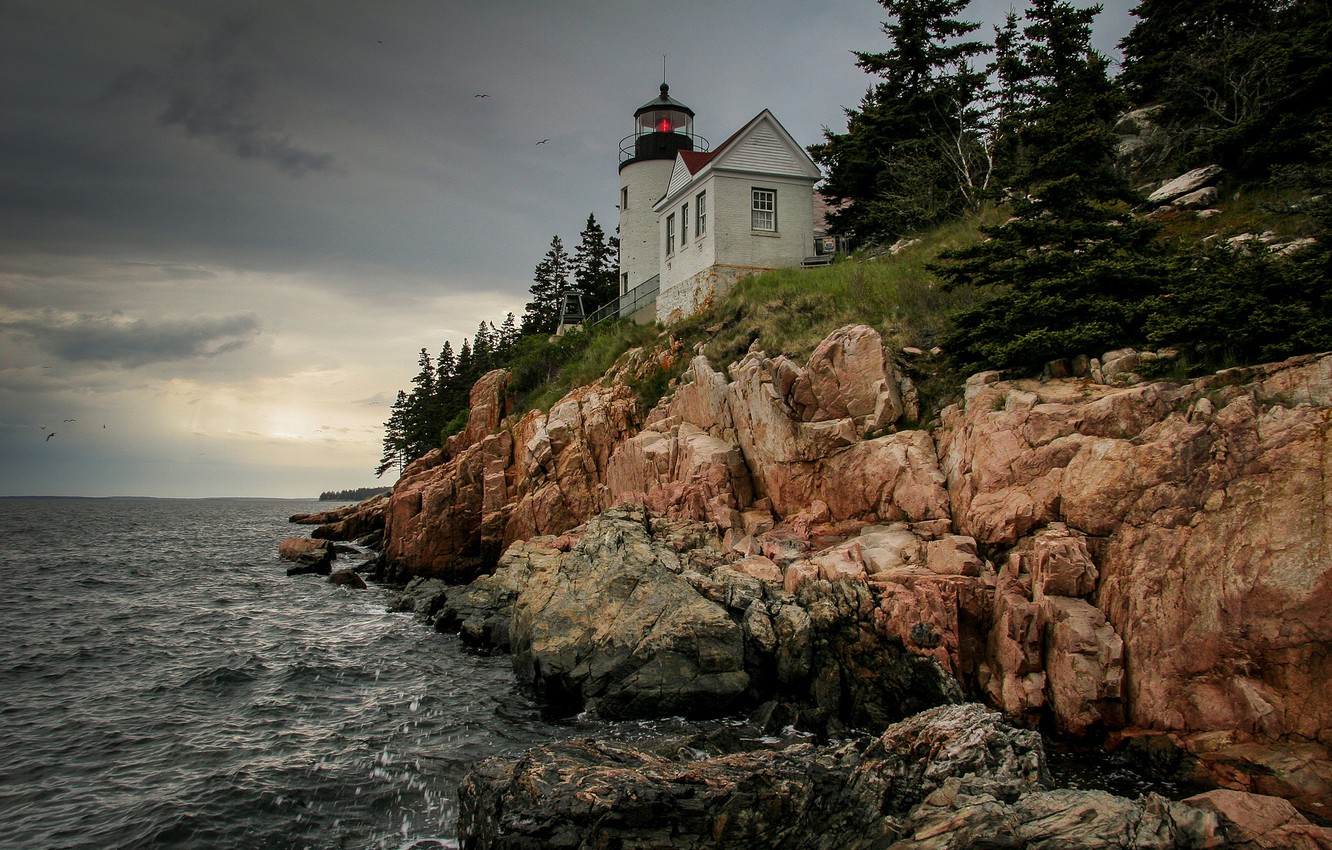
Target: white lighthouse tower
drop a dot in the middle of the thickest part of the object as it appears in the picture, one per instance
(662, 128)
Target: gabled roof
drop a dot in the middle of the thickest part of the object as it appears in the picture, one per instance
(695, 160)
(761, 146)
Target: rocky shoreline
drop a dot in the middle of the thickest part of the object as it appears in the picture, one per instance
(1141, 566)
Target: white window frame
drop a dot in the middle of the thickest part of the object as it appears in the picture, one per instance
(670, 234)
(763, 209)
(700, 214)
(684, 224)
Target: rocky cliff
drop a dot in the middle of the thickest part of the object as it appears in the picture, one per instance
(1146, 560)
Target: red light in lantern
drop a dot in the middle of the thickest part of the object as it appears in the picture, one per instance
(664, 125)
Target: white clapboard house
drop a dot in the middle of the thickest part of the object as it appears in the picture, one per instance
(694, 221)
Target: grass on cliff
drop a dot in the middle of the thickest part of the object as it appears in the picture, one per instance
(788, 311)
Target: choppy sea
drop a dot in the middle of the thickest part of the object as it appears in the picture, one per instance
(164, 683)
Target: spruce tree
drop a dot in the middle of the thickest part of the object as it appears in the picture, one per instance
(423, 409)
(508, 336)
(1073, 267)
(445, 365)
(915, 152)
(395, 438)
(595, 266)
(483, 345)
(551, 278)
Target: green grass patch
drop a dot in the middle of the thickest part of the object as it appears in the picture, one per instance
(549, 367)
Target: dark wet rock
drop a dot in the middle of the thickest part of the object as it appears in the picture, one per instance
(950, 777)
(348, 578)
(422, 597)
(318, 561)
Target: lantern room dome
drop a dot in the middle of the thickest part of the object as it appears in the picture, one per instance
(662, 127)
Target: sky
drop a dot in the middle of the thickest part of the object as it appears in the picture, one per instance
(227, 228)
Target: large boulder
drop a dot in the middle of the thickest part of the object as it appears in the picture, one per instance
(613, 623)
(1184, 184)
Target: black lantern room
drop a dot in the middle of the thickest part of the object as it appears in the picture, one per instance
(662, 127)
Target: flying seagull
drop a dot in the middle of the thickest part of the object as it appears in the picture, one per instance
(480, 95)
(49, 436)
(71, 420)
(543, 141)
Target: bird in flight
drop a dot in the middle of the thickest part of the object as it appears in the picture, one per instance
(543, 141)
(480, 95)
(49, 436)
(71, 420)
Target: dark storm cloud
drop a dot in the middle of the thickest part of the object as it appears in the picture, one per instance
(113, 338)
(211, 91)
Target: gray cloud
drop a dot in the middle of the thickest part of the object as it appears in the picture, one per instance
(115, 339)
(211, 91)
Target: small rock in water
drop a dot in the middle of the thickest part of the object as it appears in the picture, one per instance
(318, 561)
(347, 578)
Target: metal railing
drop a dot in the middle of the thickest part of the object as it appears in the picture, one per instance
(627, 304)
(629, 144)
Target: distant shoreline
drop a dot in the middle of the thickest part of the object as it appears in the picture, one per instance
(170, 498)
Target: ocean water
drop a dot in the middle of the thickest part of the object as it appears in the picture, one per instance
(164, 683)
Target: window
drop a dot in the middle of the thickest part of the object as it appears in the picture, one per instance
(763, 209)
(700, 214)
(624, 198)
(670, 233)
(624, 283)
(684, 225)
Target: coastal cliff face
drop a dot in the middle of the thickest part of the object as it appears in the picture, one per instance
(1152, 558)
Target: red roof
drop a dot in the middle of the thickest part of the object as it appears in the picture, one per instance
(695, 160)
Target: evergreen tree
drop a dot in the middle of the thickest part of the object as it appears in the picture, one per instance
(423, 409)
(1246, 83)
(467, 372)
(481, 349)
(917, 150)
(508, 335)
(445, 365)
(595, 266)
(549, 280)
(1073, 266)
(395, 438)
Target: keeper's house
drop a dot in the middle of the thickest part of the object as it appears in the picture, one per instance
(693, 221)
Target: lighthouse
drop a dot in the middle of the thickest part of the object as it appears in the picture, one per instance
(662, 128)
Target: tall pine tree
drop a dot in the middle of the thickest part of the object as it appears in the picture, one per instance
(916, 151)
(550, 278)
(396, 453)
(596, 266)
